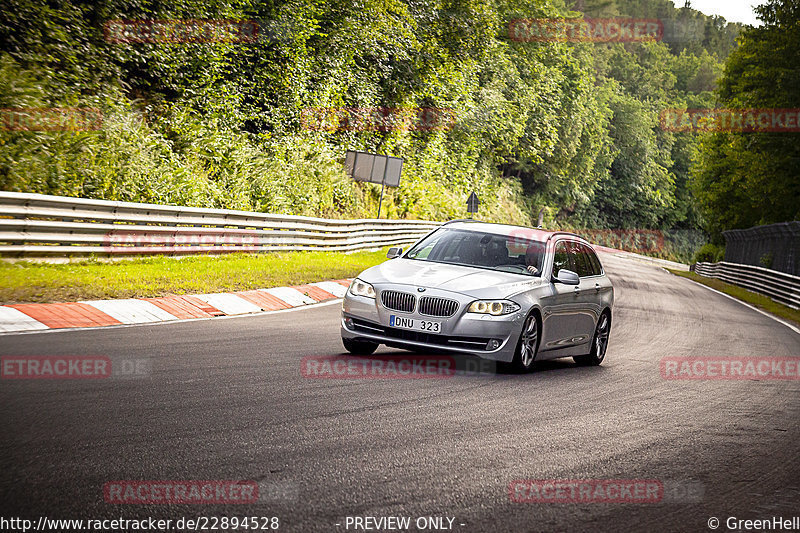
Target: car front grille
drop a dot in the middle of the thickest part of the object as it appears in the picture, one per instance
(398, 301)
(432, 306)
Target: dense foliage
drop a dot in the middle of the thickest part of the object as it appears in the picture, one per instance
(745, 179)
(566, 131)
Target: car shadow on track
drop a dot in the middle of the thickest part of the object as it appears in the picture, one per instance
(404, 362)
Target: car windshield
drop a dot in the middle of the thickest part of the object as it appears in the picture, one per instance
(506, 253)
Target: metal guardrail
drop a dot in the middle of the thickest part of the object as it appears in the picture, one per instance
(36, 225)
(781, 287)
(774, 246)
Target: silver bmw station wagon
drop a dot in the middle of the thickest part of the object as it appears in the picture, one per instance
(508, 293)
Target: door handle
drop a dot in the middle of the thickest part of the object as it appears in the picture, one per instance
(577, 291)
(597, 287)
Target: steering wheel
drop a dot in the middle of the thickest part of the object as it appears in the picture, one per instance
(522, 269)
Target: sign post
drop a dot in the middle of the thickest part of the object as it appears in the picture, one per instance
(374, 168)
(472, 204)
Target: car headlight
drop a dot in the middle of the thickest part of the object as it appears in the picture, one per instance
(361, 288)
(493, 307)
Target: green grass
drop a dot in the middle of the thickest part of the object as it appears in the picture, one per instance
(25, 281)
(756, 300)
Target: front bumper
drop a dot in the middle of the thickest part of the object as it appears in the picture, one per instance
(466, 333)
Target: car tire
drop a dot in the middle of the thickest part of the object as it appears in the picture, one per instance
(358, 347)
(599, 342)
(527, 347)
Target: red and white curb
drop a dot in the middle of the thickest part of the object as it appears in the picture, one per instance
(96, 313)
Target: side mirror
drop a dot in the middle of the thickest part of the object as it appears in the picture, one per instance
(394, 252)
(567, 277)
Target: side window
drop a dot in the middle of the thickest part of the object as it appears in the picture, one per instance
(583, 267)
(561, 259)
(597, 268)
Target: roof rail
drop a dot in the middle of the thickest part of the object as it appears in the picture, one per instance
(459, 220)
(571, 234)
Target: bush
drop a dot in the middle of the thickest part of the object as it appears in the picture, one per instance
(710, 253)
(176, 157)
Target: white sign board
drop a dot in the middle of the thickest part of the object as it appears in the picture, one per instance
(382, 169)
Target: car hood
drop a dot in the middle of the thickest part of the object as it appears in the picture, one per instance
(472, 281)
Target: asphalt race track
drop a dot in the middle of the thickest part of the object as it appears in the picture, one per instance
(224, 399)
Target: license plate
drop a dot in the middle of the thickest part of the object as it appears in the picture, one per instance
(430, 326)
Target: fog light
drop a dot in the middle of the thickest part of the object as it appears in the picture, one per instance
(493, 344)
(348, 323)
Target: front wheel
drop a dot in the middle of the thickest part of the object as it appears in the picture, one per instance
(358, 347)
(599, 343)
(527, 347)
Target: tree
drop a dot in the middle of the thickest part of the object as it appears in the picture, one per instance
(744, 179)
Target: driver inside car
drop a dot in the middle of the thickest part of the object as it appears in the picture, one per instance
(533, 258)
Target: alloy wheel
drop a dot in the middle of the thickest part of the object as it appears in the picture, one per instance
(601, 337)
(530, 338)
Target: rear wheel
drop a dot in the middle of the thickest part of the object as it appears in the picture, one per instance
(526, 348)
(599, 343)
(359, 347)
